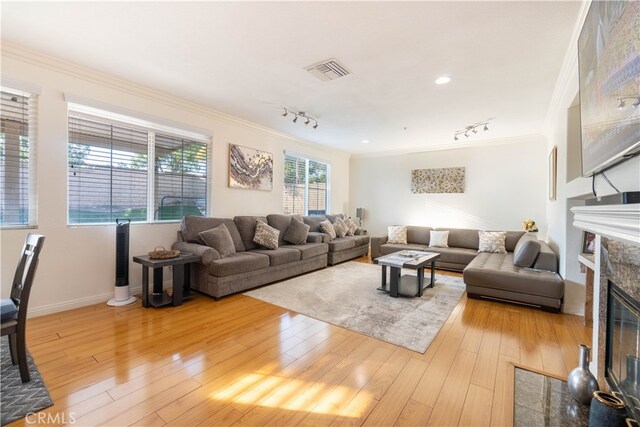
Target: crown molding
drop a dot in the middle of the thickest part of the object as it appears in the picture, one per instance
(40, 59)
(567, 73)
(447, 147)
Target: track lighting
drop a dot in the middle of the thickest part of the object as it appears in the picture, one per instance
(474, 129)
(301, 114)
(622, 101)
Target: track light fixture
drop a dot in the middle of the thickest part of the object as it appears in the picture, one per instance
(300, 114)
(471, 128)
(634, 104)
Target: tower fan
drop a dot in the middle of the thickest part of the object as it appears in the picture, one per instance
(122, 296)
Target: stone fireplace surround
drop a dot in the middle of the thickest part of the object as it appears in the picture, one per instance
(617, 259)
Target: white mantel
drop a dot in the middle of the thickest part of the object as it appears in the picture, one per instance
(619, 222)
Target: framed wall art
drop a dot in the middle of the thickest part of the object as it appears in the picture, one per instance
(442, 180)
(250, 168)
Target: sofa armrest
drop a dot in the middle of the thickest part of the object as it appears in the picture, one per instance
(314, 237)
(207, 253)
(375, 246)
(360, 232)
(546, 259)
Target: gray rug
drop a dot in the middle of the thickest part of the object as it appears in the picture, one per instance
(18, 399)
(345, 295)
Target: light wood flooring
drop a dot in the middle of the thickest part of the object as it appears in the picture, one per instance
(240, 361)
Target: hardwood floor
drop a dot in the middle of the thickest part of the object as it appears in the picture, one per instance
(240, 361)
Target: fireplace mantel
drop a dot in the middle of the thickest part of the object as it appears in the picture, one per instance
(618, 222)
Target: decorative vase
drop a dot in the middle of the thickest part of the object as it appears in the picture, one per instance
(581, 382)
(607, 411)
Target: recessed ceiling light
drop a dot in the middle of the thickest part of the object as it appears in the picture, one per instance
(443, 80)
(365, 141)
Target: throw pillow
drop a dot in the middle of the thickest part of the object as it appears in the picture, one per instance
(492, 241)
(327, 228)
(219, 239)
(439, 239)
(352, 227)
(526, 252)
(397, 234)
(266, 236)
(297, 232)
(340, 228)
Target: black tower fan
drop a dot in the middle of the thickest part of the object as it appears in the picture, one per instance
(122, 296)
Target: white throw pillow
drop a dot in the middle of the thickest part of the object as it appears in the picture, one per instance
(492, 241)
(352, 226)
(439, 239)
(397, 234)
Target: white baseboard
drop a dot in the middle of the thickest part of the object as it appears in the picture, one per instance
(82, 302)
(575, 309)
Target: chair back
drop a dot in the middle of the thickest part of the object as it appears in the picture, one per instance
(25, 272)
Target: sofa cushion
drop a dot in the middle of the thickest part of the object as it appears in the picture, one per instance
(191, 226)
(341, 244)
(335, 217)
(327, 228)
(281, 223)
(314, 222)
(310, 250)
(397, 234)
(497, 271)
(439, 239)
(361, 240)
(316, 237)
(492, 241)
(219, 239)
(526, 251)
(266, 236)
(463, 238)
(297, 232)
(238, 263)
(8, 309)
(417, 234)
(460, 256)
(279, 256)
(513, 237)
(389, 248)
(247, 228)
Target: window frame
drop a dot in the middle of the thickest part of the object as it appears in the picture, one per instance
(307, 160)
(152, 128)
(32, 94)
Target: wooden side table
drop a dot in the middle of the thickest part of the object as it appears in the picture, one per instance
(181, 279)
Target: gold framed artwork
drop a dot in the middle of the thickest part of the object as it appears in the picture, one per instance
(553, 172)
(250, 168)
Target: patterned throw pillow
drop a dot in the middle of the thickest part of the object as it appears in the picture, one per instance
(352, 227)
(492, 241)
(327, 228)
(266, 236)
(439, 239)
(397, 234)
(340, 228)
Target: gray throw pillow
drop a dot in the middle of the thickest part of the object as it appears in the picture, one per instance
(219, 239)
(327, 228)
(297, 232)
(526, 252)
(266, 236)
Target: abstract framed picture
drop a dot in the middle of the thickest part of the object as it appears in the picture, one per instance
(442, 180)
(553, 172)
(250, 168)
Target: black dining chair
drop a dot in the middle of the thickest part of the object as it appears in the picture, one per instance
(15, 326)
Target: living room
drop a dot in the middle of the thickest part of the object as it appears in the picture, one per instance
(514, 72)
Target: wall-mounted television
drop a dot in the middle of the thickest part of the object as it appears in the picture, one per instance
(609, 68)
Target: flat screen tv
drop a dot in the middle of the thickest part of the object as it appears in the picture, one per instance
(609, 68)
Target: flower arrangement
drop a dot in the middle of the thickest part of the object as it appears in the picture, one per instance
(529, 225)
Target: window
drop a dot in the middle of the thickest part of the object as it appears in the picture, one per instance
(117, 170)
(306, 186)
(17, 158)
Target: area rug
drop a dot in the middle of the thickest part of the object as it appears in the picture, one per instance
(346, 296)
(18, 399)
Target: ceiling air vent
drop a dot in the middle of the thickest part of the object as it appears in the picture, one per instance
(329, 69)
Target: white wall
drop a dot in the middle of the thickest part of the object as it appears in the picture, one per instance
(562, 235)
(504, 185)
(77, 264)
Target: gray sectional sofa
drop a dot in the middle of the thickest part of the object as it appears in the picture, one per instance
(492, 275)
(251, 266)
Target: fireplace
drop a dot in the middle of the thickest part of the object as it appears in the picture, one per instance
(623, 343)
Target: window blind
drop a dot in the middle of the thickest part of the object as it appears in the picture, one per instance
(305, 186)
(18, 201)
(180, 177)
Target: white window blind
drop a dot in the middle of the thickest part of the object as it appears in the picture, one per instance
(306, 190)
(129, 172)
(18, 197)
